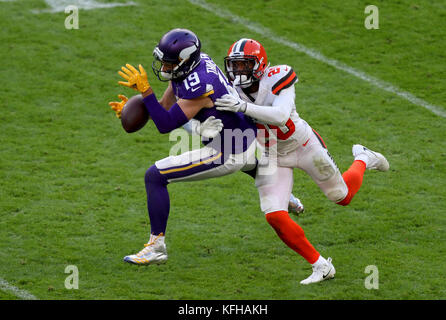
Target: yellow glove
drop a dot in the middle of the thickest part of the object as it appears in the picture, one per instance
(135, 79)
(117, 106)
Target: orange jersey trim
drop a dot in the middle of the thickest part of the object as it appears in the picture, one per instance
(285, 82)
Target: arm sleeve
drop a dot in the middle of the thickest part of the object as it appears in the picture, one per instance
(164, 120)
(278, 113)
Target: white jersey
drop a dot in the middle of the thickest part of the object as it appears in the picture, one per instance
(282, 122)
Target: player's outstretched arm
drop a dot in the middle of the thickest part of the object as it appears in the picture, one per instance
(138, 80)
(179, 114)
(277, 114)
(165, 120)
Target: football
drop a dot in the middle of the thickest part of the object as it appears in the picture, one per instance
(134, 115)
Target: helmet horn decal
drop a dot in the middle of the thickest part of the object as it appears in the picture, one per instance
(158, 53)
(186, 52)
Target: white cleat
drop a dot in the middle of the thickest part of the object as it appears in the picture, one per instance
(154, 252)
(321, 271)
(295, 206)
(374, 160)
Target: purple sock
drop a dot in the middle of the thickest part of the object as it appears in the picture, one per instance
(158, 202)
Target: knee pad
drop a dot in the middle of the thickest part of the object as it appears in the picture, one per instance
(335, 189)
(153, 175)
(336, 194)
(325, 167)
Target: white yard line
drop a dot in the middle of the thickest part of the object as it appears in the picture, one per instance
(265, 32)
(22, 294)
(60, 5)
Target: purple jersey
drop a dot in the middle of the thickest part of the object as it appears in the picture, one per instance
(206, 79)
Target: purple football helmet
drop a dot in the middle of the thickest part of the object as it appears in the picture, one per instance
(176, 55)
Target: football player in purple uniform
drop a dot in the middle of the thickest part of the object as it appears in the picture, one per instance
(195, 82)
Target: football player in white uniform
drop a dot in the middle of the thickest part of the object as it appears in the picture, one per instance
(266, 94)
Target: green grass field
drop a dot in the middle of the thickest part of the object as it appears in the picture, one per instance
(72, 190)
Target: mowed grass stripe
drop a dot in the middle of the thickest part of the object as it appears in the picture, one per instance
(255, 27)
(73, 180)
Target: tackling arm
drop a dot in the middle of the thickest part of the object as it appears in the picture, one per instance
(280, 111)
(277, 114)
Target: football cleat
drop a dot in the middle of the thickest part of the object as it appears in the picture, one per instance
(321, 271)
(154, 252)
(374, 160)
(295, 206)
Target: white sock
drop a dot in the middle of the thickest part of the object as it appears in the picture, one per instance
(319, 261)
(363, 157)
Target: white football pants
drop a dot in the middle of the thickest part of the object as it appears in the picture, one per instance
(275, 187)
